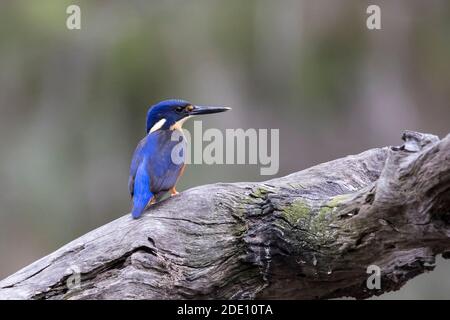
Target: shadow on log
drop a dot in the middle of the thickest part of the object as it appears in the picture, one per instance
(309, 235)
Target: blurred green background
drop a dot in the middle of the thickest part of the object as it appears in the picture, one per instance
(73, 102)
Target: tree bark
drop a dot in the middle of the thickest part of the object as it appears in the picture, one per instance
(309, 235)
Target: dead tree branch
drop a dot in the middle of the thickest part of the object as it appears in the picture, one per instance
(311, 234)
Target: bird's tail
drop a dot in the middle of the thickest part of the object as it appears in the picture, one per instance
(142, 193)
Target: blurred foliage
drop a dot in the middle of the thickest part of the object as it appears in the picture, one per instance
(73, 103)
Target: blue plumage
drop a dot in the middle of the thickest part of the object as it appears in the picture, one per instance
(141, 190)
(153, 171)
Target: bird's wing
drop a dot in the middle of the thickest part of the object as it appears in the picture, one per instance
(155, 150)
(138, 156)
(162, 169)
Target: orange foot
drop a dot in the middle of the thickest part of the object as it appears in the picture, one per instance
(153, 200)
(173, 192)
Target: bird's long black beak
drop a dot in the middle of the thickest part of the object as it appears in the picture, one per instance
(207, 110)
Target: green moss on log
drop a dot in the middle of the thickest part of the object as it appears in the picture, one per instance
(298, 211)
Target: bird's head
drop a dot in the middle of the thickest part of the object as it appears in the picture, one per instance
(169, 114)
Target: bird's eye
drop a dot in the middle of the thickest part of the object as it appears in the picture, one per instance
(179, 109)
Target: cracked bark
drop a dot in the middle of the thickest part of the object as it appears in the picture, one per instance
(311, 234)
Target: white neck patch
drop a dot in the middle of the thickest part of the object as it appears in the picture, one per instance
(158, 125)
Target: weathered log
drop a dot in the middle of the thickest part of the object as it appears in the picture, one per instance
(311, 234)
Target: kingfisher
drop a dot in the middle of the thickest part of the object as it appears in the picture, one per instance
(154, 170)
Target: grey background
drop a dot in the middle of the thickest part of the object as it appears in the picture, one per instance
(73, 103)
